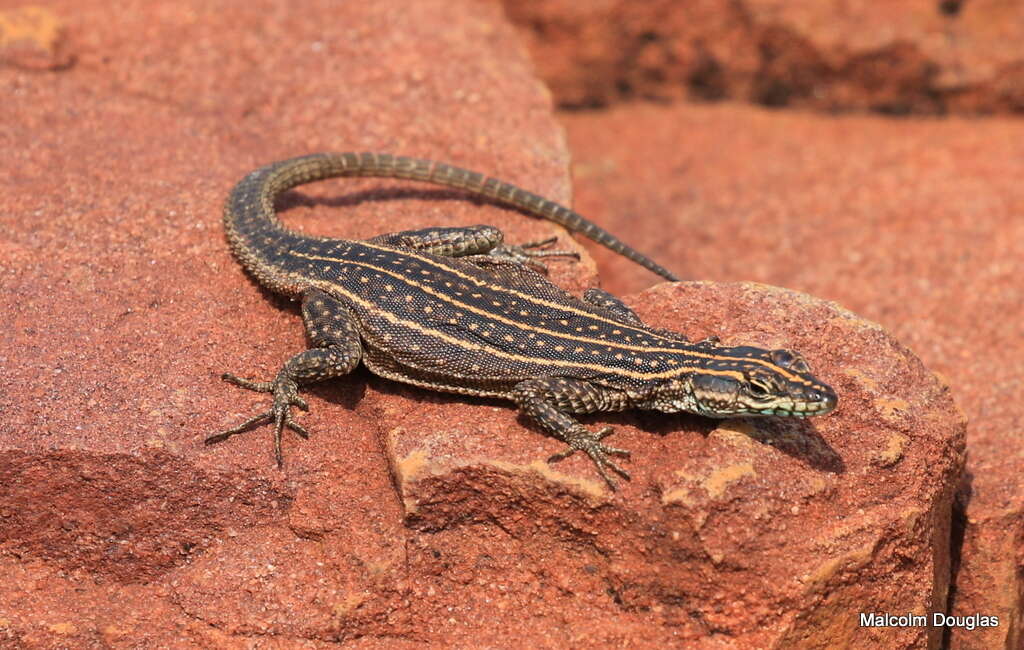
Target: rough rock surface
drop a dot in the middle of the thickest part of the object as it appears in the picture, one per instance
(409, 517)
(919, 56)
(916, 225)
(122, 306)
(32, 38)
(745, 533)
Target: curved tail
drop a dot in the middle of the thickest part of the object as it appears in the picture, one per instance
(249, 214)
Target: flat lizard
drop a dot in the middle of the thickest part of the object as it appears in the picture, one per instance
(457, 310)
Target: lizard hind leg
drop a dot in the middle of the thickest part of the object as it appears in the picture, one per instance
(336, 351)
(621, 311)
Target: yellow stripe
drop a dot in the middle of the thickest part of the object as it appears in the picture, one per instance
(558, 335)
(331, 287)
(509, 290)
(444, 297)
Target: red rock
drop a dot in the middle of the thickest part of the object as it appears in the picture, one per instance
(31, 38)
(920, 56)
(745, 533)
(914, 224)
(123, 307)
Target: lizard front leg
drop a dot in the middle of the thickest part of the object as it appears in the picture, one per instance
(548, 402)
(621, 310)
(601, 298)
(336, 351)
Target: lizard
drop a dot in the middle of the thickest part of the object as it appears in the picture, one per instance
(456, 309)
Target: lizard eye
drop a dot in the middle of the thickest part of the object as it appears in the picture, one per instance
(758, 390)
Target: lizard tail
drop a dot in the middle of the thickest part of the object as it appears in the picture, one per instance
(249, 216)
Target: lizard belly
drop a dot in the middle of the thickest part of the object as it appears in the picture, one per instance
(439, 358)
(385, 365)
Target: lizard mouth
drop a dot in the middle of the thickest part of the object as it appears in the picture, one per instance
(815, 402)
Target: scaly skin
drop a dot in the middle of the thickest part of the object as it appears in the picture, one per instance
(457, 310)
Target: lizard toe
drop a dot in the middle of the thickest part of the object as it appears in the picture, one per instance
(258, 386)
(590, 443)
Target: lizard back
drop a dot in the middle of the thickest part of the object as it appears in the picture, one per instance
(473, 325)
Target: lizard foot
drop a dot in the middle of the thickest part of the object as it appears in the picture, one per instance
(580, 439)
(528, 253)
(285, 392)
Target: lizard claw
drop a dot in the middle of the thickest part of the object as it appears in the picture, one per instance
(285, 392)
(580, 439)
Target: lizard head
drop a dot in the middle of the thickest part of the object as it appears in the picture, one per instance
(746, 381)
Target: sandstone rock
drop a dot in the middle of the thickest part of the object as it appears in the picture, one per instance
(914, 224)
(988, 560)
(32, 38)
(122, 306)
(744, 533)
(909, 57)
(118, 528)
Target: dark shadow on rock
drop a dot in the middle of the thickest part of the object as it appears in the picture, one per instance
(958, 528)
(346, 391)
(799, 439)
